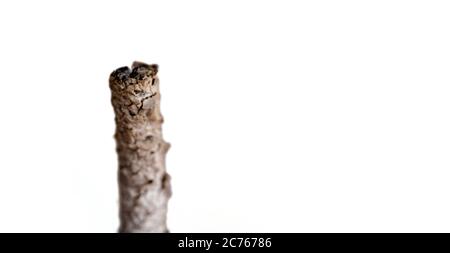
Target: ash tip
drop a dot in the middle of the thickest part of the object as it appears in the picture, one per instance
(121, 73)
(138, 71)
(138, 66)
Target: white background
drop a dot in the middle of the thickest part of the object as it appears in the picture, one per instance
(284, 116)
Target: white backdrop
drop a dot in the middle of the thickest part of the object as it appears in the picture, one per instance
(284, 116)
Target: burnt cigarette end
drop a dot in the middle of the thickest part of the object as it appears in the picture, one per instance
(121, 73)
(142, 70)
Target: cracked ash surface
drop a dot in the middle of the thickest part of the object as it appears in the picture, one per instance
(144, 185)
